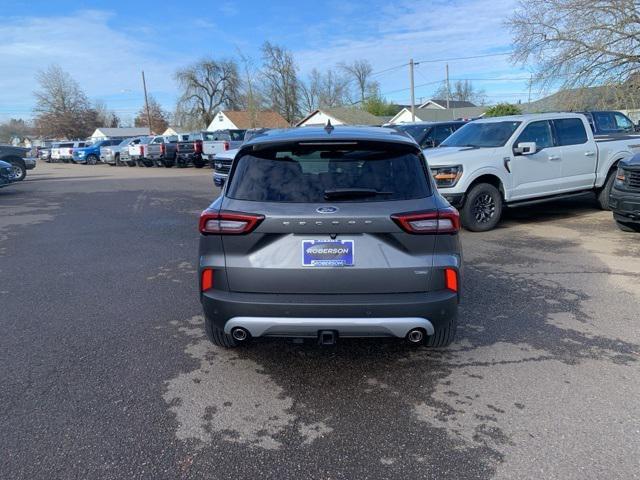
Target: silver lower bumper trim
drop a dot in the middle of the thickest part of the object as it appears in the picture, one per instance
(346, 327)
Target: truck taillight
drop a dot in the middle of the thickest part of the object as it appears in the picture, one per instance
(163, 149)
(70, 151)
(228, 223)
(226, 146)
(142, 150)
(443, 221)
(197, 146)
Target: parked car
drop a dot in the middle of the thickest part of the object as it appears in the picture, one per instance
(625, 195)
(523, 159)
(327, 233)
(609, 122)
(90, 153)
(222, 166)
(17, 158)
(215, 143)
(6, 174)
(66, 153)
(429, 134)
(161, 151)
(110, 154)
(57, 148)
(137, 152)
(189, 151)
(125, 150)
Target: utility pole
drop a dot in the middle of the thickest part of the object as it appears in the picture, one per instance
(146, 102)
(448, 86)
(413, 93)
(529, 100)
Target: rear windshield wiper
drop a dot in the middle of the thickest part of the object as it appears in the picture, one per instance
(353, 193)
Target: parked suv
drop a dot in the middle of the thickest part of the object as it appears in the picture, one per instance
(625, 195)
(90, 153)
(327, 233)
(430, 134)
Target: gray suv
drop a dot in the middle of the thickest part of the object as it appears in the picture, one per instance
(326, 233)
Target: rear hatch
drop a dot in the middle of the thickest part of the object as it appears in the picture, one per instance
(327, 225)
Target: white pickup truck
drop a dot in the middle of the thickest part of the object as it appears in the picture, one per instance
(524, 159)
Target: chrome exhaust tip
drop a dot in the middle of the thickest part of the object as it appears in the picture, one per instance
(239, 334)
(415, 336)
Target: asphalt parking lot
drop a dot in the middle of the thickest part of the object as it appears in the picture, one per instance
(106, 371)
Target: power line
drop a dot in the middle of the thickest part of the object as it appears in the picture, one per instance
(471, 57)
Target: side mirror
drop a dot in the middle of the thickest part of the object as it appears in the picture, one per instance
(526, 148)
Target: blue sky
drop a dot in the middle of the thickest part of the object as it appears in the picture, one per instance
(105, 45)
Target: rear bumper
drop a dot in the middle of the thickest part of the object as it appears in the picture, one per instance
(625, 205)
(360, 315)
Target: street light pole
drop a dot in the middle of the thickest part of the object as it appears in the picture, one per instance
(413, 93)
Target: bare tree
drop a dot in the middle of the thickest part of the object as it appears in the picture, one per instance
(105, 117)
(330, 89)
(577, 42)
(62, 108)
(250, 99)
(463, 90)
(15, 127)
(360, 71)
(207, 86)
(158, 116)
(281, 84)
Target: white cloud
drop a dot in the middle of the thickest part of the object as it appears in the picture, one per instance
(425, 30)
(104, 60)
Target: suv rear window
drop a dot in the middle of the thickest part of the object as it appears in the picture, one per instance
(329, 174)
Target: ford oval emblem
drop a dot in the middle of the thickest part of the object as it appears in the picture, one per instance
(327, 209)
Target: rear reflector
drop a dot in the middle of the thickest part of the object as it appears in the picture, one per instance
(443, 221)
(451, 279)
(228, 223)
(207, 279)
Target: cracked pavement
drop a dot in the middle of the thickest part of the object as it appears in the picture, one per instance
(106, 371)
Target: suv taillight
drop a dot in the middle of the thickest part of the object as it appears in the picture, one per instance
(443, 221)
(226, 146)
(228, 223)
(197, 146)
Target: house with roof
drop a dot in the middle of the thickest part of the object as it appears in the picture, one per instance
(439, 104)
(340, 116)
(173, 130)
(437, 114)
(103, 133)
(244, 119)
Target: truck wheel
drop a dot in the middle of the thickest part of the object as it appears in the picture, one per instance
(131, 163)
(19, 170)
(628, 227)
(117, 163)
(167, 163)
(147, 163)
(218, 337)
(198, 163)
(92, 160)
(443, 335)
(482, 208)
(605, 191)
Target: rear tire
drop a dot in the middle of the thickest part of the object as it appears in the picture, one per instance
(92, 160)
(218, 337)
(444, 335)
(628, 227)
(605, 191)
(482, 208)
(198, 163)
(131, 163)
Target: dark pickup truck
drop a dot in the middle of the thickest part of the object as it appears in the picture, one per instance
(189, 151)
(17, 157)
(624, 199)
